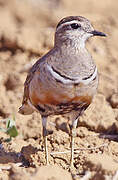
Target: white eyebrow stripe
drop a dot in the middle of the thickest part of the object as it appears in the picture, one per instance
(70, 22)
(74, 81)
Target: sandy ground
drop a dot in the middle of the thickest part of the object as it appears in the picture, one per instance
(26, 33)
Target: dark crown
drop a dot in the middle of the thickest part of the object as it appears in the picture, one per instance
(71, 18)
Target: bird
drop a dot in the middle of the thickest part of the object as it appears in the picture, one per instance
(65, 80)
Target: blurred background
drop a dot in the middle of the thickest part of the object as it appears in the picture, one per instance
(26, 33)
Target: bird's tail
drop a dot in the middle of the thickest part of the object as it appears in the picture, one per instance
(25, 109)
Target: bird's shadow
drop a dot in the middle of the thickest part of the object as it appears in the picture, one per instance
(23, 157)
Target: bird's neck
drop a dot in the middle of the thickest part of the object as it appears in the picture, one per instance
(71, 59)
(75, 46)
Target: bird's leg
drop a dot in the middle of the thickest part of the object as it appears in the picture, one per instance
(73, 135)
(45, 133)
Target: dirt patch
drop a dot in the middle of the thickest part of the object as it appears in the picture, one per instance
(26, 33)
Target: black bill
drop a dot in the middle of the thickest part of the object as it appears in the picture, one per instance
(97, 33)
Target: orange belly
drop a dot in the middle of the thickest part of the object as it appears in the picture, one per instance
(51, 98)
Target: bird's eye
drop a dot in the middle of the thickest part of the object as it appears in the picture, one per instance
(75, 26)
